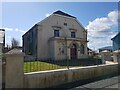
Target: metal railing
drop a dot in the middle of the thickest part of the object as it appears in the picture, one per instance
(33, 65)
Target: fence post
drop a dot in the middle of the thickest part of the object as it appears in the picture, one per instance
(14, 69)
(104, 56)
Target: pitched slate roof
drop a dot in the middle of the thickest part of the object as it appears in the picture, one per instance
(115, 36)
(107, 47)
(62, 13)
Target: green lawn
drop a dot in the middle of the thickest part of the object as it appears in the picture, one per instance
(34, 66)
(40, 66)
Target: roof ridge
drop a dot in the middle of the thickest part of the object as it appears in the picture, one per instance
(116, 35)
(63, 13)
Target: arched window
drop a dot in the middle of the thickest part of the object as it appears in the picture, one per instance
(82, 49)
(73, 46)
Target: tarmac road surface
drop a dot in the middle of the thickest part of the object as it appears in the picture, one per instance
(110, 83)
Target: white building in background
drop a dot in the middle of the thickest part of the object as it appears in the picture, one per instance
(116, 48)
(2, 43)
(2, 40)
(57, 37)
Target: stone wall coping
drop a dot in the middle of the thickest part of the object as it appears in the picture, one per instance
(76, 68)
(105, 51)
(116, 52)
(14, 52)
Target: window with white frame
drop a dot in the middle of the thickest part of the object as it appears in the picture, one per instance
(56, 33)
(73, 34)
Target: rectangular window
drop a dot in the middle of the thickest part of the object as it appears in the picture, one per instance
(56, 33)
(73, 35)
(65, 24)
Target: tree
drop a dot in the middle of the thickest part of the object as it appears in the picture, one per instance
(8, 46)
(15, 43)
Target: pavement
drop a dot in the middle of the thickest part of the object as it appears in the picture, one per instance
(110, 83)
(110, 62)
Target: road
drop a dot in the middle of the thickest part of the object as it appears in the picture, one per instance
(113, 82)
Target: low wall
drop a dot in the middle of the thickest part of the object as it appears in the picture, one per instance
(0, 74)
(0, 66)
(63, 76)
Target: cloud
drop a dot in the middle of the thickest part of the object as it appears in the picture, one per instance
(104, 23)
(18, 30)
(47, 14)
(100, 30)
(9, 37)
(8, 29)
(12, 29)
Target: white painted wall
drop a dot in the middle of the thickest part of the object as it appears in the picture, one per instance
(116, 56)
(46, 31)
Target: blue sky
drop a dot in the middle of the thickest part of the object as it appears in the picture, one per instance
(17, 18)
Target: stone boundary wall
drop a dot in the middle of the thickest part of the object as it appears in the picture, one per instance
(51, 78)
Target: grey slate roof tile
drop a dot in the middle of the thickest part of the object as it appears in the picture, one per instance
(62, 13)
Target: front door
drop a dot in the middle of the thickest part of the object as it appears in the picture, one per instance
(73, 52)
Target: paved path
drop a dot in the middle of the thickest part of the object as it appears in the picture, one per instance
(113, 82)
